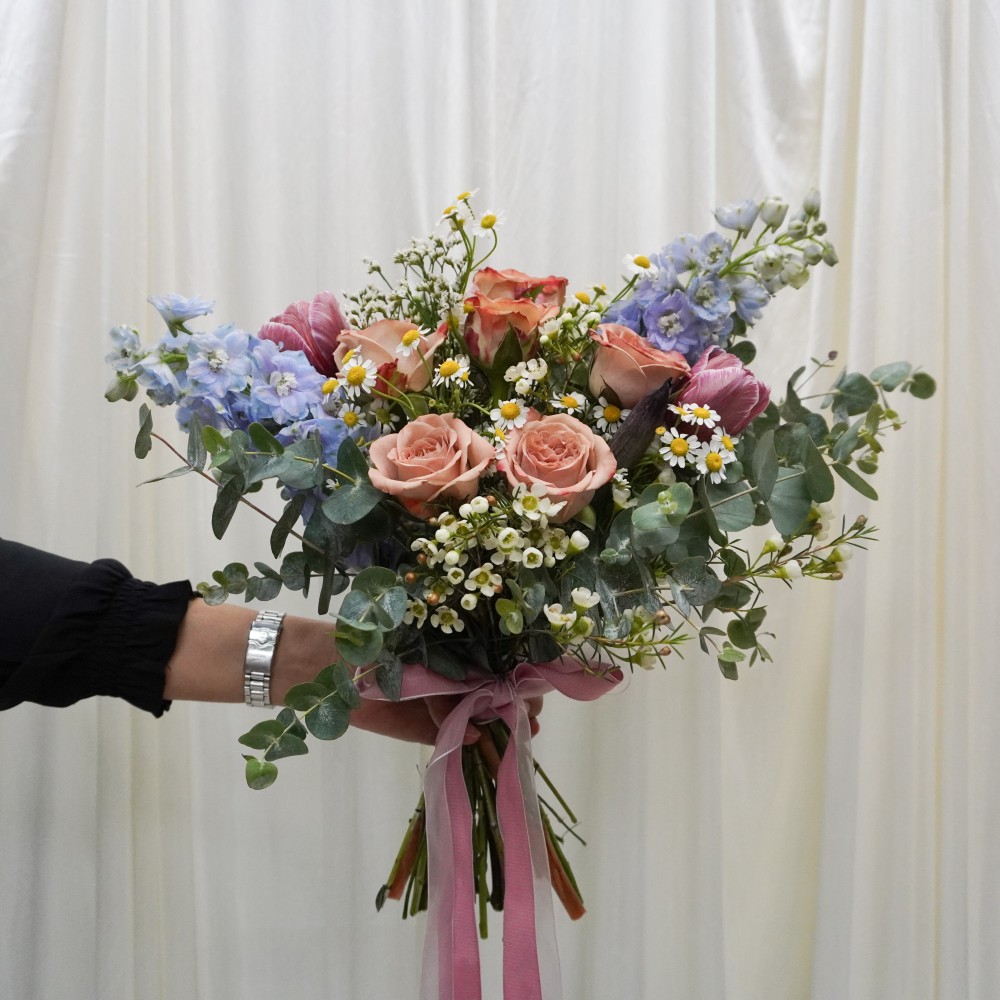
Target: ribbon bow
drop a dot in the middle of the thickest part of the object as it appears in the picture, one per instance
(451, 946)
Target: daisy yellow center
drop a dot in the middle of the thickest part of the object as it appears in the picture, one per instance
(640, 260)
(329, 386)
(448, 368)
(350, 418)
(660, 431)
(702, 412)
(510, 411)
(411, 337)
(348, 356)
(727, 442)
(612, 413)
(570, 402)
(488, 221)
(499, 433)
(679, 446)
(464, 196)
(583, 297)
(450, 210)
(713, 461)
(356, 375)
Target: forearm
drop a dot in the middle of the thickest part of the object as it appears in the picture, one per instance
(207, 662)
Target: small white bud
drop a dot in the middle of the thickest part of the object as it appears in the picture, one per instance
(772, 211)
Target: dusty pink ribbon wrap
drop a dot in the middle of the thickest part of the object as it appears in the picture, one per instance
(451, 946)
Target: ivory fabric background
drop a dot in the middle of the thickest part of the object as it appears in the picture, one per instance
(824, 828)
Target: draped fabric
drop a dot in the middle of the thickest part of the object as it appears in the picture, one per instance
(825, 827)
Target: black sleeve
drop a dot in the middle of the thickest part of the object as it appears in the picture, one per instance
(71, 630)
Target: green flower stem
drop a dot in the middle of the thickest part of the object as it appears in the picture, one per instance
(243, 500)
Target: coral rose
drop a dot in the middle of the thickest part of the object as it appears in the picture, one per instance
(433, 458)
(719, 380)
(511, 284)
(629, 365)
(490, 319)
(378, 343)
(563, 455)
(310, 327)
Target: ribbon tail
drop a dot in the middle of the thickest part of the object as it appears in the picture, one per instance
(451, 947)
(530, 954)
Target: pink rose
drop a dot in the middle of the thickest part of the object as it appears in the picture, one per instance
(435, 457)
(490, 319)
(378, 343)
(311, 327)
(511, 284)
(629, 365)
(562, 454)
(720, 381)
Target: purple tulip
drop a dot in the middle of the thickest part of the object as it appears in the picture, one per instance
(719, 380)
(310, 327)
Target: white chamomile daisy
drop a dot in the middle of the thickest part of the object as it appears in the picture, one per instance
(639, 263)
(488, 222)
(357, 375)
(678, 449)
(410, 342)
(451, 371)
(352, 415)
(509, 414)
(572, 403)
(709, 462)
(725, 445)
(385, 417)
(447, 620)
(704, 416)
(499, 437)
(608, 417)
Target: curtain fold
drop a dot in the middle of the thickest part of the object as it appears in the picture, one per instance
(822, 828)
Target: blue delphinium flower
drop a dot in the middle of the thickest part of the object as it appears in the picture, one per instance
(127, 349)
(739, 216)
(683, 254)
(211, 411)
(284, 383)
(716, 251)
(162, 370)
(176, 309)
(219, 362)
(749, 298)
(670, 324)
(709, 297)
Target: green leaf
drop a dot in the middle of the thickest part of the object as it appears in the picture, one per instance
(922, 386)
(848, 442)
(695, 580)
(745, 350)
(288, 745)
(731, 504)
(854, 394)
(260, 773)
(291, 722)
(233, 577)
(790, 501)
(651, 531)
(302, 697)
(213, 439)
(389, 675)
(741, 634)
(728, 669)
(329, 720)
(144, 439)
(819, 479)
(197, 453)
(344, 685)
(351, 500)
(442, 662)
(264, 440)
(285, 523)
(300, 466)
(891, 376)
(358, 642)
(853, 479)
(262, 735)
(765, 464)
(226, 503)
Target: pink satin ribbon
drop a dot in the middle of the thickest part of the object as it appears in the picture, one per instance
(451, 946)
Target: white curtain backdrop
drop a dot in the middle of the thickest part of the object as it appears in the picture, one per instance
(824, 828)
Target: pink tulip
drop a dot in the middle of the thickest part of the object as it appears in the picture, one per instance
(311, 327)
(720, 381)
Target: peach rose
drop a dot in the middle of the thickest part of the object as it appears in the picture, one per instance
(435, 457)
(629, 365)
(511, 284)
(378, 343)
(490, 319)
(562, 454)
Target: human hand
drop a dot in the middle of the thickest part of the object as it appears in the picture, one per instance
(418, 721)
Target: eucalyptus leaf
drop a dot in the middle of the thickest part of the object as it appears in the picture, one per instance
(892, 375)
(731, 504)
(329, 720)
(696, 580)
(144, 439)
(853, 479)
(226, 502)
(854, 394)
(765, 464)
(302, 697)
(285, 523)
(922, 386)
(260, 774)
(790, 502)
(263, 440)
(819, 479)
(197, 453)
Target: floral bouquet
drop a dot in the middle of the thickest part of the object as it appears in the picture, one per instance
(518, 490)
